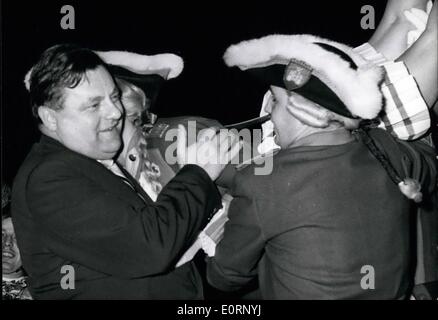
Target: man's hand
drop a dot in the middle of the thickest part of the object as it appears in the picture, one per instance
(212, 151)
(418, 18)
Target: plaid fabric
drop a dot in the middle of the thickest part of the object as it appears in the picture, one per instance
(15, 289)
(405, 114)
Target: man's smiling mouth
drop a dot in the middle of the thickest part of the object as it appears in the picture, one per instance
(111, 128)
(8, 254)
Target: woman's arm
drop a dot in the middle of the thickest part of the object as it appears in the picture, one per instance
(421, 59)
(390, 36)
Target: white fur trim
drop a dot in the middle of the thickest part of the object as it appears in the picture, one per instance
(358, 89)
(138, 63)
(144, 64)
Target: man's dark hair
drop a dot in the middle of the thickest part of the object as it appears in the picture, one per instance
(61, 66)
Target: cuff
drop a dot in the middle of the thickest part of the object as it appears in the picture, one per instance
(405, 114)
(370, 54)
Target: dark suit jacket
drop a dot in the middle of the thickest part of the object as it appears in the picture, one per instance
(70, 210)
(313, 228)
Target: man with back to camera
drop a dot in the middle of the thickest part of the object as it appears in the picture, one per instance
(73, 206)
(333, 219)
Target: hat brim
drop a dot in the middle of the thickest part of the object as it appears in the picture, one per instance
(315, 90)
(149, 83)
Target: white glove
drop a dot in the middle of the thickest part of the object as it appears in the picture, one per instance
(418, 18)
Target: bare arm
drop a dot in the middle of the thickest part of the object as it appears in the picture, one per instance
(390, 36)
(421, 59)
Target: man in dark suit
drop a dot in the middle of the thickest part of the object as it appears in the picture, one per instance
(333, 218)
(85, 228)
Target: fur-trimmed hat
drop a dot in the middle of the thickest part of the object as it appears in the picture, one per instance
(166, 65)
(147, 72)
(328, 73)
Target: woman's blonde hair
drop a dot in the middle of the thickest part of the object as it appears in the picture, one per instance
(134, 101)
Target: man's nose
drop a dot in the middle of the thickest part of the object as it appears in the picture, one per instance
(114, 110)
(8, 241)
(268, 106)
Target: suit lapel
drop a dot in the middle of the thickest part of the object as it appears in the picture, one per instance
(136, 185)
(97, 172)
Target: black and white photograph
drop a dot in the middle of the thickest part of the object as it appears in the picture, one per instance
(219, 154)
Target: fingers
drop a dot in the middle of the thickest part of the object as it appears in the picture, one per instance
(227, 144)
(308, 112)
(213, 147)
(421, 15)
(219, 137)
(308, 106)
(412, 37)
(207, 134)
(417, 17)
(235, 149)
(224, 136)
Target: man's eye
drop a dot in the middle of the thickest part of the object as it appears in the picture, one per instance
(94, 106)
(273, 101)
(116, 97)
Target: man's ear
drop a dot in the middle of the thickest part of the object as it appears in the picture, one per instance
(48, 118)
(308, 112)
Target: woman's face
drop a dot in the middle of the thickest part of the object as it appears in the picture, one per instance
(134, 105)
(133, 109)
(134, 101)
(11, 255)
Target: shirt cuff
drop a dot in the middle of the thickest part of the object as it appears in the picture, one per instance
(370, 54)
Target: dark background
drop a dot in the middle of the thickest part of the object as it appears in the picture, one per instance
(198, 31)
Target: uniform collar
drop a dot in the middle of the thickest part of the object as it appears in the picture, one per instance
(324, 138)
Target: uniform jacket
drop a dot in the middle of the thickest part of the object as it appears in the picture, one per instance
(327, 223)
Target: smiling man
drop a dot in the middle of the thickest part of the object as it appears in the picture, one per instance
(73, 206)
(90, 120)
